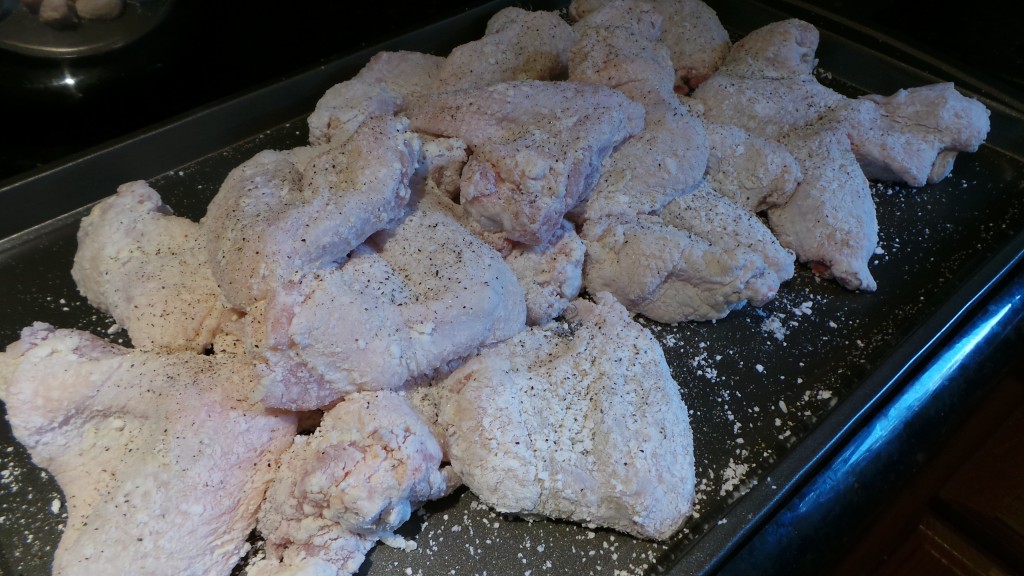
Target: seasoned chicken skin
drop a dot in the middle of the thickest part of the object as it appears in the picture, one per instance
(406, 302)
(669, 274)
(754, 172)
(551, 274)
(273, 220)
(162, 458)
(583, 423)
(381, 88)
(149, 270)
(537, 148)
(696, 40)
(353, 482)
(731, 228)
(517, 45)
(830, 220)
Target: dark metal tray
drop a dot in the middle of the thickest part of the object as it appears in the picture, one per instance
(772, 391)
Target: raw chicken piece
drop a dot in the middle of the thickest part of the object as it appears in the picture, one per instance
(551, 275)
(754, 172)
(731, 228)
(517, 45)
(99, 9)
(148, 269)
(582, 423)
(271, 222)
(442, 163)
(381, 88)
(352, 482)
(410, 74)
(914, 135)
(696, 40)
(537, 148)
(668, 274)
(406, 302)
(830, 220)
(344, 107)
(617, 46)
(667, 159)
(766, 85)
(162, 458)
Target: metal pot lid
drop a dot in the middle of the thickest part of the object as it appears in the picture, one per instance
(23, 32)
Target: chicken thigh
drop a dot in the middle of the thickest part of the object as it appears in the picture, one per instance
(406, 302)
(273, 220)
(353, 482)
(537, 148)
(149, 270)
(162, 458)
(696, 40)
(518, 44)
(582, 422)
(381, 88)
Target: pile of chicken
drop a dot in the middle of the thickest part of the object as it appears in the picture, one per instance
(405, 273)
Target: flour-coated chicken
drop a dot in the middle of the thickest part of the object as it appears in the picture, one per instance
(273, 220)
(517, 44)
(537, 148)
(696, 40)
(914, 135)
(830, 219)
(754, 172)
(668, 274)
(354, 481)
(409, 300)
(149, 270)
(163, 458)
(766, 85)
(551, 274)
(581, 422)
(381, 88)
(731, 228)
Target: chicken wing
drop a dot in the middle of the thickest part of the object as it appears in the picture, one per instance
(149, 270)
(754, 172)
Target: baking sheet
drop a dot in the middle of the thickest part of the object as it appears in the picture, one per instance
(769, 389)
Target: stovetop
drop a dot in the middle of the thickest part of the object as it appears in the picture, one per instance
(205, 51)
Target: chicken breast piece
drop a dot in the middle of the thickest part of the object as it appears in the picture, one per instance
(583, 423)
(162, 458)
(272, 221)
(669, 274)
(517, 45)
(149, 270)
(381, 88)
(537, 148)
(754, 172)
(408, 301)
(696, 40)
(731, 228)
(354, 481)
(830, 220)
